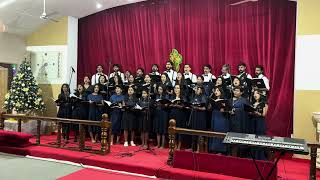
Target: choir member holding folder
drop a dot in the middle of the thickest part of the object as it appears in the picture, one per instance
(80, 106)
(96, 110)
(116, 113)
(144, 116)
(161, 115)
(258, 110)
(219, 119)
(129, 117)
(198, 116)
(65, 109)
(177, 110)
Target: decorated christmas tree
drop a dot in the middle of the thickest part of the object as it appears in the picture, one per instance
(24, 95)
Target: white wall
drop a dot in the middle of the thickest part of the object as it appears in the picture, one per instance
(307, 62)
(12, 48)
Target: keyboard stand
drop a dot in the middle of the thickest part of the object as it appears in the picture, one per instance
(282, 153)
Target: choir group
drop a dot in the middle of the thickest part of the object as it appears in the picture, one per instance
(144, 103)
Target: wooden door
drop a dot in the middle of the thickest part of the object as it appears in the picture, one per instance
(3, 85)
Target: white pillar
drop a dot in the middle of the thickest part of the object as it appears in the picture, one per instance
(72, 51)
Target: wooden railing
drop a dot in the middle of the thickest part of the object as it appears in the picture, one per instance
(173, 130)
(313, 161)
(104, 124)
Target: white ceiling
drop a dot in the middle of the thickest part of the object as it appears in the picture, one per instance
(17, 23)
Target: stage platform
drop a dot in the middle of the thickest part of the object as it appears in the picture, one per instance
(141, 161)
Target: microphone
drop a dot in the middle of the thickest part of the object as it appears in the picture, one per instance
(73, 69)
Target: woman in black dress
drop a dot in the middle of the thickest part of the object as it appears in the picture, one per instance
(88, 89)
(95, 112)
(177, 110)
(144, 116)
(79, 110)
(258, 117)
(161, 116)
(116, 113)
(129, 118)
(65, 109)
(198, 116)
(166, 82)
(103, 86)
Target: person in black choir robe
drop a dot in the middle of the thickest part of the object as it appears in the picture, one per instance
(258, 118)
(177, 110)
(129, 117)
(87, 85)
(165, 82)
(96, 110)
(181, 81)
(116, 113)
(144, 116)
(245, 78)
(198, 116)
(219, 121)
(149, 85)
(237, 83)
(116, 82)
(103, 86)
(79, 110)
(161, 116)
(155, 70)
(139, 76)
(65, 109)
(238, 117)
(126, 77)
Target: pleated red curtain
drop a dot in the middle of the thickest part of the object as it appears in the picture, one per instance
(205, 32)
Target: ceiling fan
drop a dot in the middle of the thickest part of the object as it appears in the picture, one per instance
(241, 2)
(44, 15)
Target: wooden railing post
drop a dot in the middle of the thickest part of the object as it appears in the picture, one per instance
(38, 132)
(19, 125)
(172, 143)
(2, 121)
(206, 139)
(313, 160)
(201, 144)
(104, 133)
(59, 134)
(82, 135)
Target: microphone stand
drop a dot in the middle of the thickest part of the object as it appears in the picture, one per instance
(108, 78)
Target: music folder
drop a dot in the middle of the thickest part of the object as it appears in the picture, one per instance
(163, 101)
(259, 83)
(220, 103)
(249, 108)
(155, 78)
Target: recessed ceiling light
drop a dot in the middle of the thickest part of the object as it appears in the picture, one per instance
(6, 3)
(98, 5)
(130, 1)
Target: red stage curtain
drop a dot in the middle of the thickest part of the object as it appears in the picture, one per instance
(204, 31)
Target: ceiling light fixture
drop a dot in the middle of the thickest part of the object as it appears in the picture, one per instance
(98, 5)
(6, 3)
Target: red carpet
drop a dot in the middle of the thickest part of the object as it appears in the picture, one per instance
(143, 162)
(86, 174)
